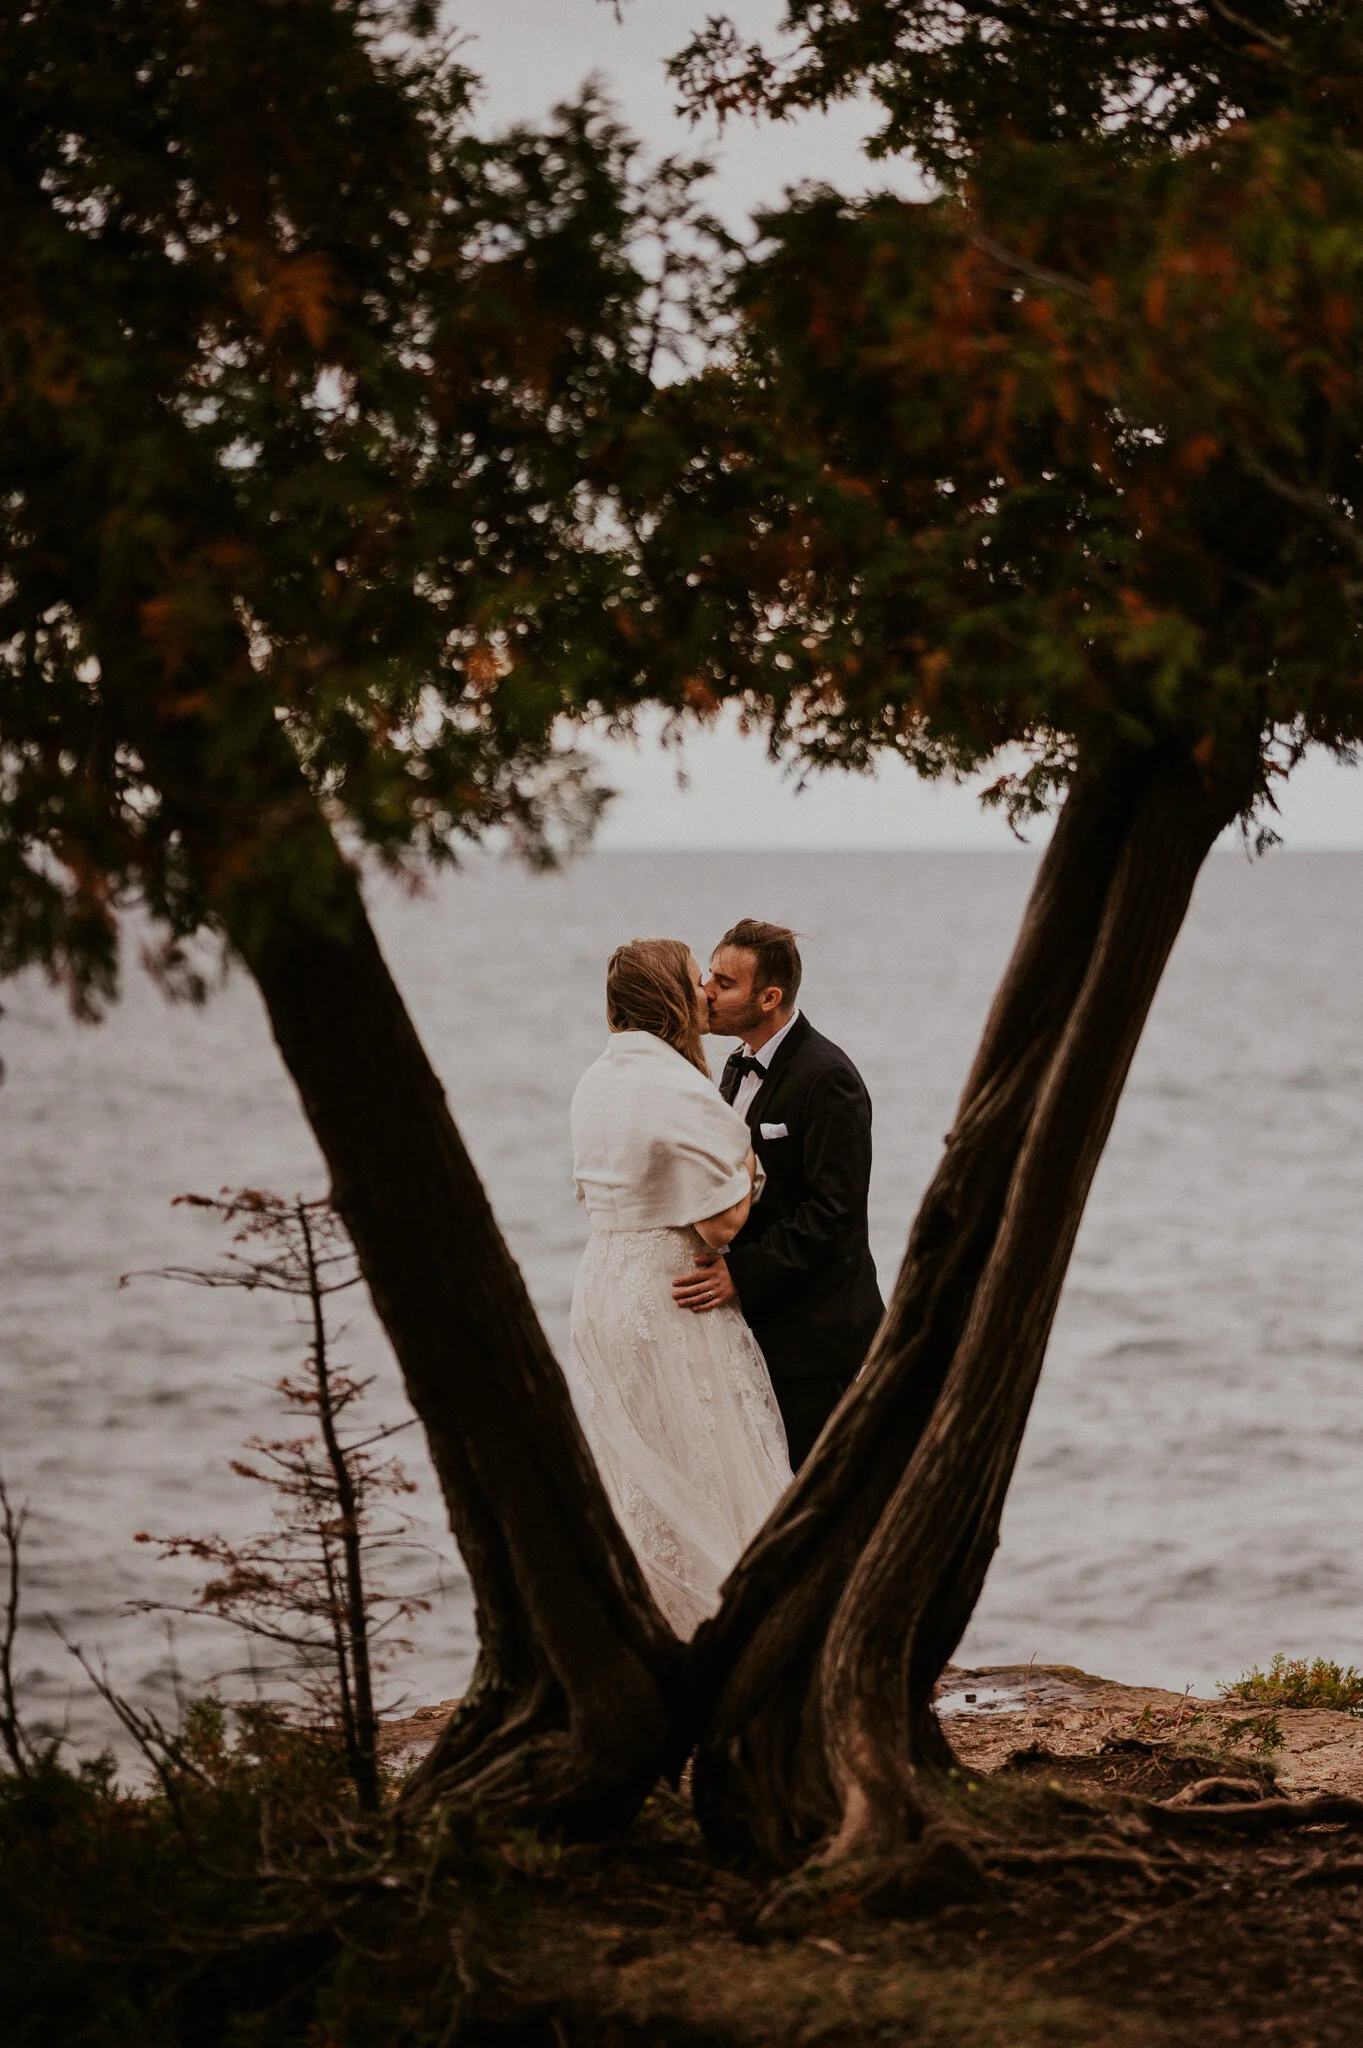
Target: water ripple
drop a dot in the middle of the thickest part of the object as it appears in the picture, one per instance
(1188, 1498)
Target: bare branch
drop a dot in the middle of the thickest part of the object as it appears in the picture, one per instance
(1307, 497)
(18, 1748)
(302, 1587)
(1052, 280)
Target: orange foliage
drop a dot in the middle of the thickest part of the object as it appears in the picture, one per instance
(1337, 318)
(1197, 453)
(1138, 609)
(286, 291)
(931, 668)
(700, 696)
(164, 626)
(484, 668)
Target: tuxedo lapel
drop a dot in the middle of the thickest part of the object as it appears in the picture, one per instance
(730, 1078)
(781, 1058)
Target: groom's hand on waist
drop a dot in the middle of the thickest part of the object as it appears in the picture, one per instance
(706, 1286)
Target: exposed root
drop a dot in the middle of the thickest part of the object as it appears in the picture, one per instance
(1218, 1792)
(1260, 1817)
(1087, 1858)
(861, 1824)
(985, 1837)
(1332, 1870)
(940, 1869)
(513, 1762)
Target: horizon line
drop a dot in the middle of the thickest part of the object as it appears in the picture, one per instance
(1224, 846)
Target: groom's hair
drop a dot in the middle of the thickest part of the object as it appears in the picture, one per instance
(778, 956)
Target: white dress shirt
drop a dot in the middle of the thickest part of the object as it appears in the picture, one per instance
(750, 1083)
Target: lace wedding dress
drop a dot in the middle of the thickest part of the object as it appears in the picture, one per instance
(677, 1407)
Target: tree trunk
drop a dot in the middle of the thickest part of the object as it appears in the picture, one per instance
(569, 1718)
(573, 1711)
(816, 1678)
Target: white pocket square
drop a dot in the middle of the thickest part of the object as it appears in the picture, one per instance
(773, 1130)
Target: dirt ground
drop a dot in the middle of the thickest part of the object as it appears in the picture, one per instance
(1170, 1938)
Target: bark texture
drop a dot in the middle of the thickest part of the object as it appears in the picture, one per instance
(816, 1678)
(568, 1719)
(574, 1707)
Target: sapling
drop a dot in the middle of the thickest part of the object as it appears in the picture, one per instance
(306, 1585)
(13, 1739)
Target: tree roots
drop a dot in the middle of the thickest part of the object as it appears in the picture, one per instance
(1002, 1833)
(1256, 1817)
(515, 1758)
(942, 1868)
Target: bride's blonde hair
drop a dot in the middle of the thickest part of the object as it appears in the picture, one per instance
(649, 988)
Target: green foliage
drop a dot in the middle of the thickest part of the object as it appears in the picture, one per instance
(244, 1902)
(323, 416)
(1300, 1682)
(196, 1913)
(1256, 1731)
(950, 78)
(1063, 457)
(303, 386)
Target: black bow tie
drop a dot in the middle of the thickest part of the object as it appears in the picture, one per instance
(746, 1064)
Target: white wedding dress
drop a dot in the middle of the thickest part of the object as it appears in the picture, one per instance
(677, 1407)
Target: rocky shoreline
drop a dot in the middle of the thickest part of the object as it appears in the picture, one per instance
(1071, 1713)
(997, 1712)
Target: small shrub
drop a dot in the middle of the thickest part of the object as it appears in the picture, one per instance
(1295, 1682)
(1258, 1731)
(198, 1912)
(305, 1587)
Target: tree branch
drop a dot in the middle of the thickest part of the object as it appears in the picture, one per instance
(17, 1745)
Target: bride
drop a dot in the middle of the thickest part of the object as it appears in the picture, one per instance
(677, 1407)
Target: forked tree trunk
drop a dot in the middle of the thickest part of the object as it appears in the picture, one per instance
(816, 1678)
(573, 1711)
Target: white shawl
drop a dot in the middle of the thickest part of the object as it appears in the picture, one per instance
(655, 1145)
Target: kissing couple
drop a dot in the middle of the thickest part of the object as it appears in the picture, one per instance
(727, 1295)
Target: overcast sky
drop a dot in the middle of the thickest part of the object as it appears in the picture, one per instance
(531, 53)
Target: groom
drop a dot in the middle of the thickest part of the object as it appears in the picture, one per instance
(801, 1267)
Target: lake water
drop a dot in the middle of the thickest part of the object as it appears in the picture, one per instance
(1190, 1495)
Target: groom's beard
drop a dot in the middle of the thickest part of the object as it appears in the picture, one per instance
(736, 1027)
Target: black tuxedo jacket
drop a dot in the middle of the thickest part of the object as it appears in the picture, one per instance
(802, 1262)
